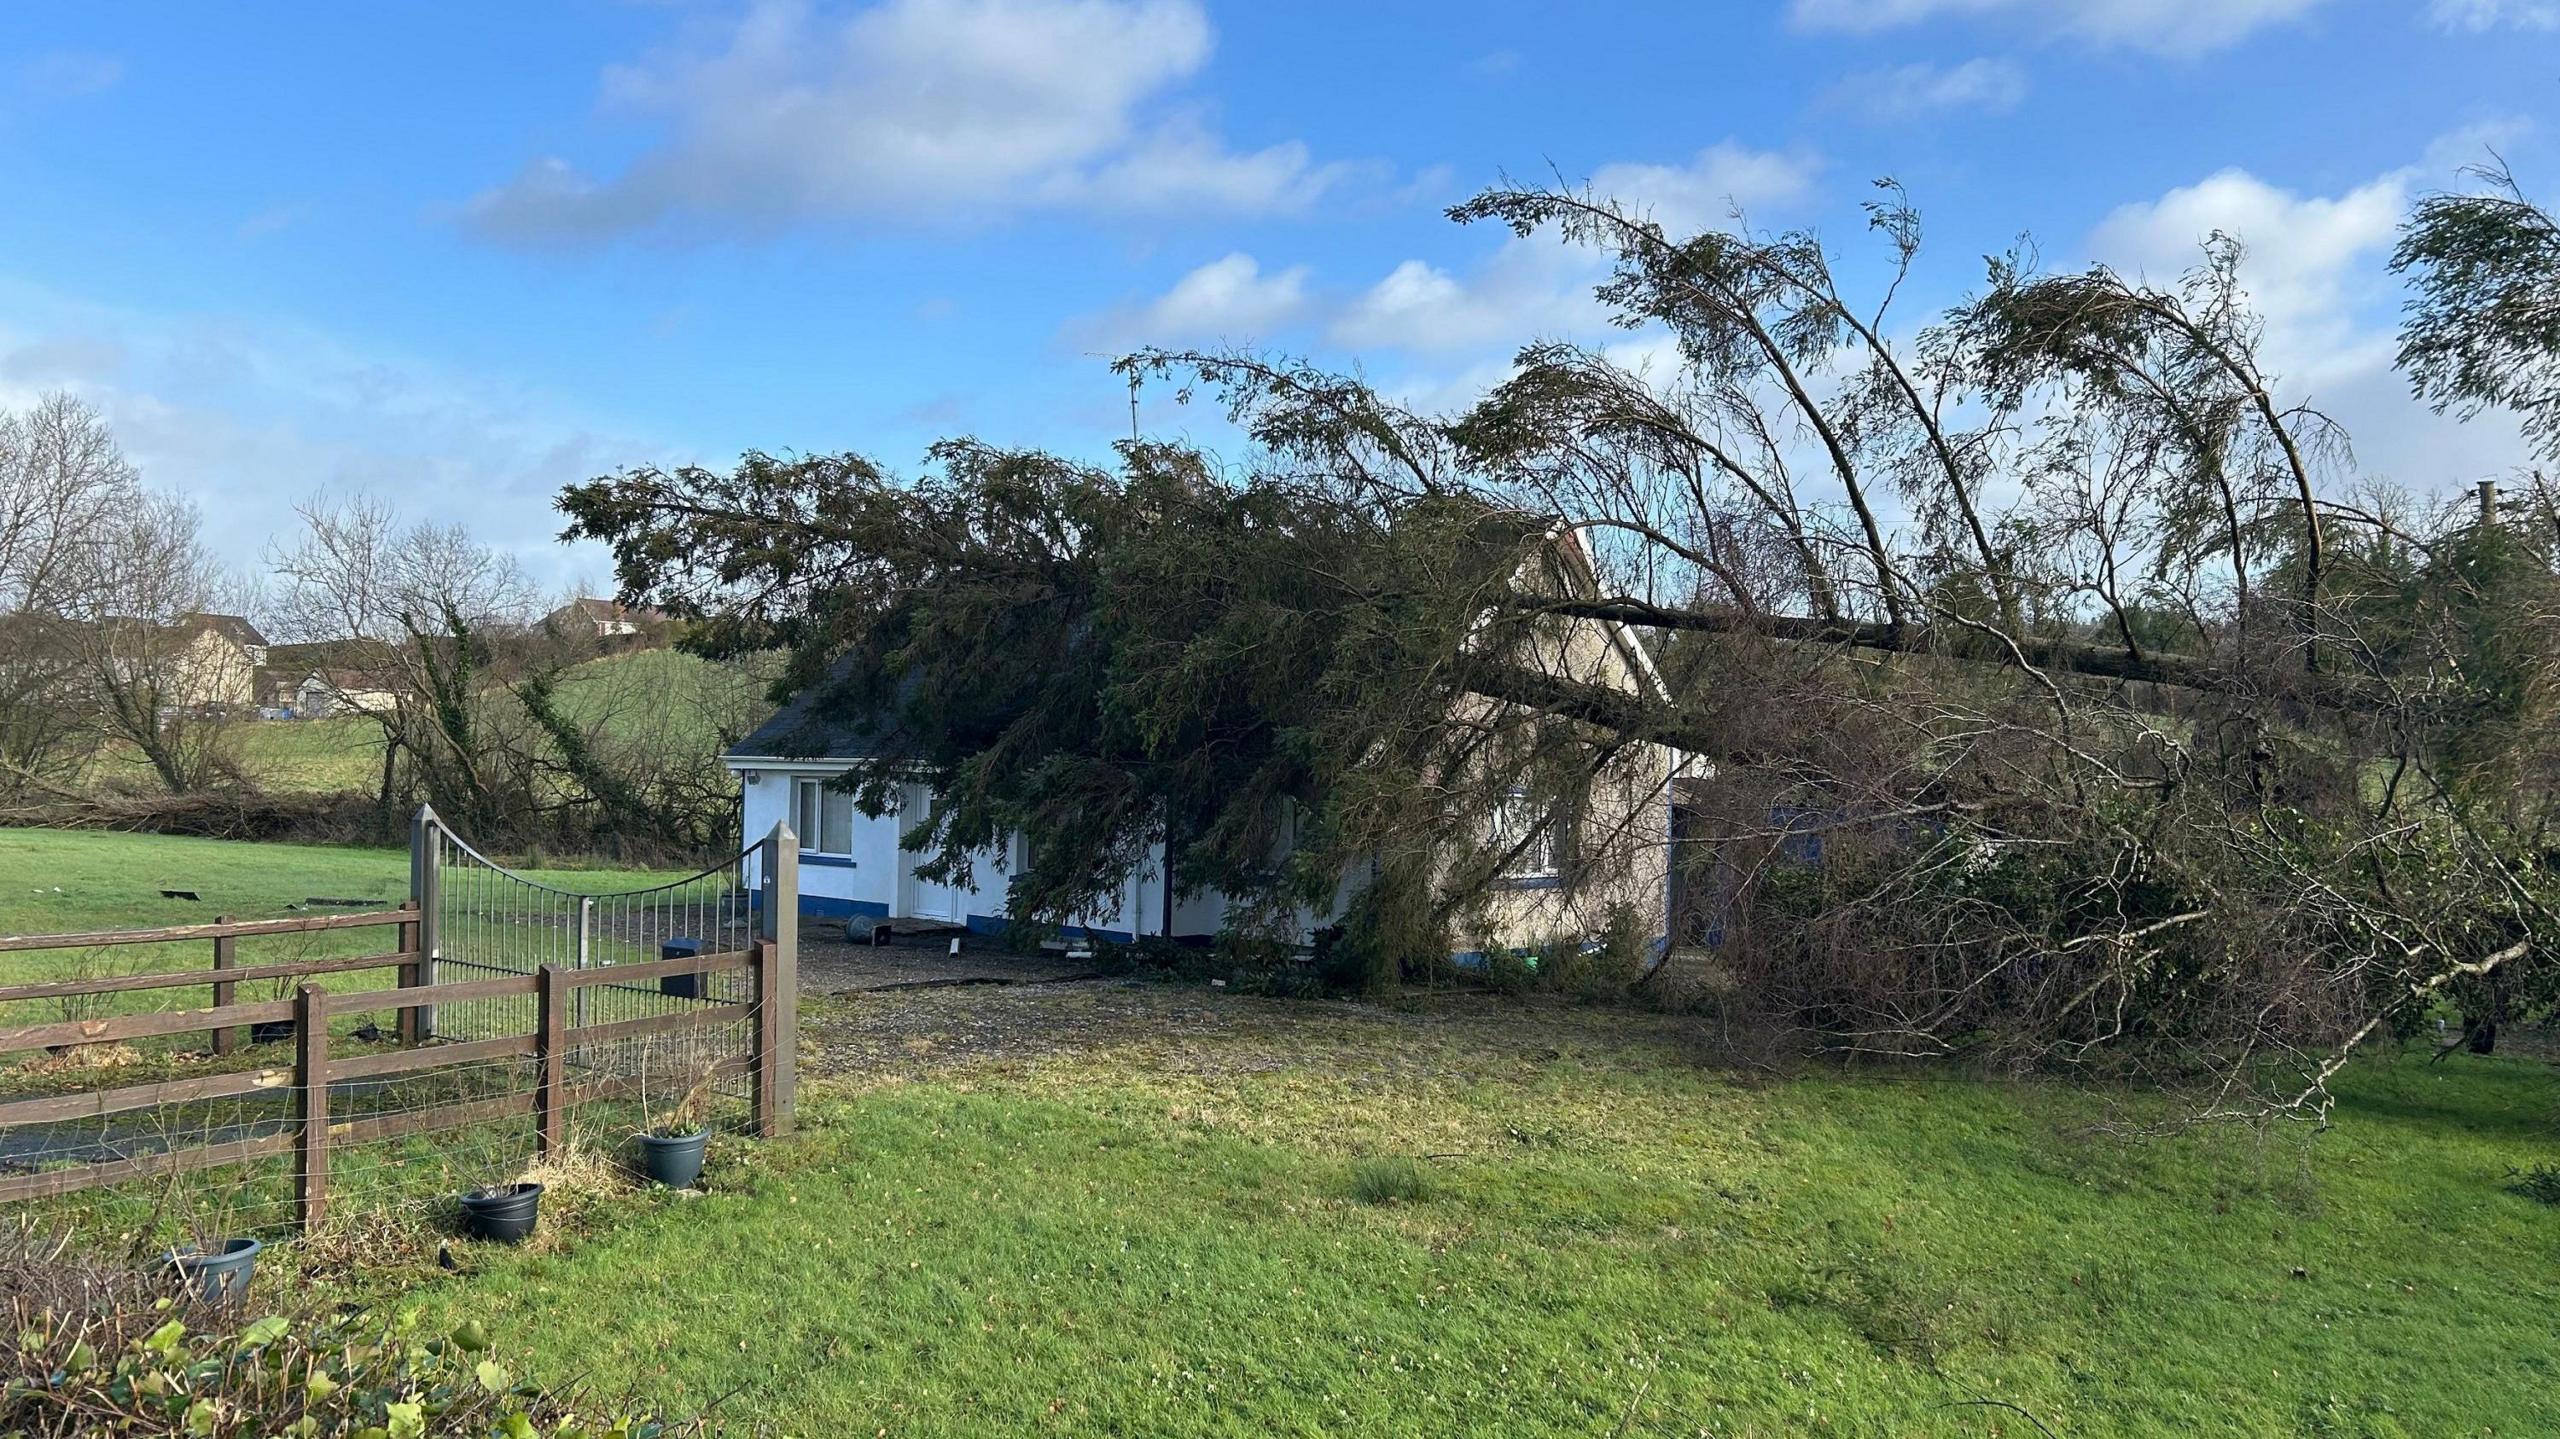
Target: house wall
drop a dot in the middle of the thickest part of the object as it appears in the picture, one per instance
(1621, 847)
(212, 670)
(1622, 856)
(873, 882)
(1625, 858)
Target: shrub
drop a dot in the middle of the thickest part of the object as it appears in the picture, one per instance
(1389, 1180)
(97, 1349)
(1391, 927)
(1513, 971)
(316, 1379)
(1290, 981)
(1619, 957)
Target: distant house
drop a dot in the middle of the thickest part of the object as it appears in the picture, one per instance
(215, 662)
(605, 619)
(1614, 849)
(325, 692)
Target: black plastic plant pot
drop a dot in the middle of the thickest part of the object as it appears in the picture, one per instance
(673, 1160)
(219, 1276)
(271, 1031)
(504, 1213)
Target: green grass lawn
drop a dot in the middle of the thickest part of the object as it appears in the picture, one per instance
(1117, 1209)
(68, 881)
(54, 881)
(319, 756)
(1157, 1232)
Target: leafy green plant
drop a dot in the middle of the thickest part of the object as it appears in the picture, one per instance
(1391, 1179)
(341, 1378)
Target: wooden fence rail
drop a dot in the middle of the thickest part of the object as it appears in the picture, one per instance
(224, 976)
(312, 1133)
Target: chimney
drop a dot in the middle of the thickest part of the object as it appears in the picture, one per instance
(2488, 503)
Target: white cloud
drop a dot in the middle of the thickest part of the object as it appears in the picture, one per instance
(1908, 91)
(1703, 194)
(916, 111)
(2476, 16)
(1527, 288)
(2311, 264)
(2169, 27)
(1538, 285)
(248, 417)
(2315, 270)
(1227, 300)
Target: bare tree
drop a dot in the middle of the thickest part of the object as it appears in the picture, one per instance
(103, 586)
(413, 616)
(62, 480)
(156, 677)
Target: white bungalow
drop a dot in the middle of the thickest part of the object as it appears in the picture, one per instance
(852, 865)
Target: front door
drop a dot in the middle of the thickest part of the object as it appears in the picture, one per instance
(926, 898)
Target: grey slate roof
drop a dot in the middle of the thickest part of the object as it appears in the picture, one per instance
(799, 731)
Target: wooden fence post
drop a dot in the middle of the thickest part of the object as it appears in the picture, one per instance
(551, 1053)
(311, 1076)
(777, 972)
(412, 974)
(223, 990)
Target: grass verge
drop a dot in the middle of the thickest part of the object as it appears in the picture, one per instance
(1154, 1234)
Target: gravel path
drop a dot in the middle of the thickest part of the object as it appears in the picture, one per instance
(895, 1035)
(918, 1032)
(829, 965)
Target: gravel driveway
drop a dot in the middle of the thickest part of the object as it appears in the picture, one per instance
(829, 965)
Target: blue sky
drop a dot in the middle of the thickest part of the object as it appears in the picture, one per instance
(461, 254)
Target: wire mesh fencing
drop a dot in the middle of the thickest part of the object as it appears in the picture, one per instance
(512, 1020)
(488, 919)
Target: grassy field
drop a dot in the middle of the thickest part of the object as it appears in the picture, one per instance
(54, 881)
(1139, 1209)
(632, 694)
(67, 881)
(58, 881)
(1158, 1230)
(319, 756)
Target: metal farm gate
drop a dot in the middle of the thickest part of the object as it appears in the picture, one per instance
(390, 1055)
(480, 919)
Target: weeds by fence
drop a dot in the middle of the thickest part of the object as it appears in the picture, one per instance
(488, 1053)
(571, 1065)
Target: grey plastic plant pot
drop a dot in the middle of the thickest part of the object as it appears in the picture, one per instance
(220, 1276)
(674, 1161)
(505, 1213)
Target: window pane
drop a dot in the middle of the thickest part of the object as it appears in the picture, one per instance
(1516, 819)
(837, 814)
(804, 816)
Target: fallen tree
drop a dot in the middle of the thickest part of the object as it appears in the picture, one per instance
(2196, 751)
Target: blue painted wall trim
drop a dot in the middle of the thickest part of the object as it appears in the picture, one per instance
(823, 906)
(828, 861)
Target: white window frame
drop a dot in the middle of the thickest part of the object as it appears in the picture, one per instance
(810, 798)
(1543, 860)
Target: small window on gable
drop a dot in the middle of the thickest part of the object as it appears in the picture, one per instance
(823, 816)
(1537, 832)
